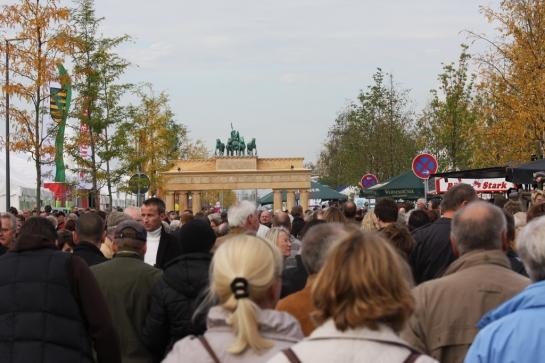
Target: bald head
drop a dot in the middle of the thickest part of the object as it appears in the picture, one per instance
(479, 226)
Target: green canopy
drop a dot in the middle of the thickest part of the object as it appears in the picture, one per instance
(317, 191)
(404, 186)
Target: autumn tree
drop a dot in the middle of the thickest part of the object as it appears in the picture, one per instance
(512, 91)
(97, 69)
(375, 134)
(43, 33)
(446, 125)
(151, 138)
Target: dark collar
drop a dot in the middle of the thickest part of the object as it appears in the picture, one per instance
(128, 254)
(84, 245)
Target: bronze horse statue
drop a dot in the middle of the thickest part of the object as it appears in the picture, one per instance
(251, 148)
(220, 148)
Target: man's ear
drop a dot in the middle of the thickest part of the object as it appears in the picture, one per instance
(454, 246)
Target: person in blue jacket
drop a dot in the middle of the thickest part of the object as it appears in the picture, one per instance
(515, 331)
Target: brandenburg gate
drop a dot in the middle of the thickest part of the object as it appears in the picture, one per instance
(236, 173)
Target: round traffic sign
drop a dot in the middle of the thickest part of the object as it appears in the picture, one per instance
(424, 165)
(139, 183)
(368, 180)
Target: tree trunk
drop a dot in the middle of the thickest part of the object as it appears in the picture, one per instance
(108, 177)
(37, 146)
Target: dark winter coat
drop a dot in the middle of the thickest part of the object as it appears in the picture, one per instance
(89, 253)
(174, 300)
(294, 279)
(433, 252)
(51, 309)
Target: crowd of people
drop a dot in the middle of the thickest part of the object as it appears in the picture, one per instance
(450, 280)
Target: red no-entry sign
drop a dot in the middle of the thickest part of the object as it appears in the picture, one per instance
(368, 180)
(424, 165)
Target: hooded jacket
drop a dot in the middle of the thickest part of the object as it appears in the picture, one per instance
(279, 327)
(513, 332)
(180, 291)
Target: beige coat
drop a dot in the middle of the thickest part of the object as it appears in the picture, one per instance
(326, 344)
(279, 327)
(449, 308)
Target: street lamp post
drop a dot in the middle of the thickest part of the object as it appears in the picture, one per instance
(8, 176)
(8, 191)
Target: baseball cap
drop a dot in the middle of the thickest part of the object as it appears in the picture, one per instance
(130, 229)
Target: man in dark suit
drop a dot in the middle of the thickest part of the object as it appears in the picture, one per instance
(161, 246)
(88, 237)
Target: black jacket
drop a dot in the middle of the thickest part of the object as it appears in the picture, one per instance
(89, 253)
(3, 249)
(174, 299)
(294, 279)
(170, 247)
(51, 310)
(516, 263)
(433, 252)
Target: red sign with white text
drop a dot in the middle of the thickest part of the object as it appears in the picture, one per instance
(494, 185)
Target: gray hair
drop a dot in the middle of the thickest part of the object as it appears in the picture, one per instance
(11, 218)
(531, 248)
(480, 225)
(237, 214)
(317, 242)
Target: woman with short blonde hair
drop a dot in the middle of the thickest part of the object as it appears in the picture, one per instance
(279, 237)
(362, 301)
(243, 327)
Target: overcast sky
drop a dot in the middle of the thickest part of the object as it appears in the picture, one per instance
(281, 70)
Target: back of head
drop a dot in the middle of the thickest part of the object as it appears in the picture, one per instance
(531, 248)
(334, 215)
(244, 269)
(130, 235)
(197, 236)
(386, 210)
(297, 211)
(369, 222)
(90, 227)
(418, 218)
(457, 196)
(35, 232)
(281, 219)
(113, 219)
(479, 226)
(535, 211)
(317, 243)
(350, 209)
(362, 284)
(65, 238)
(237, 214)
(400, 238)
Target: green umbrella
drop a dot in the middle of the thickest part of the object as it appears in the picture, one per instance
(317, 191)
(404, 186)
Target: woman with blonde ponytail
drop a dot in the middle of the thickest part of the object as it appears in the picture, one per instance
(245, 279)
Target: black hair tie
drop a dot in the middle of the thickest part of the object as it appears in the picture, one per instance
(239, 287)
